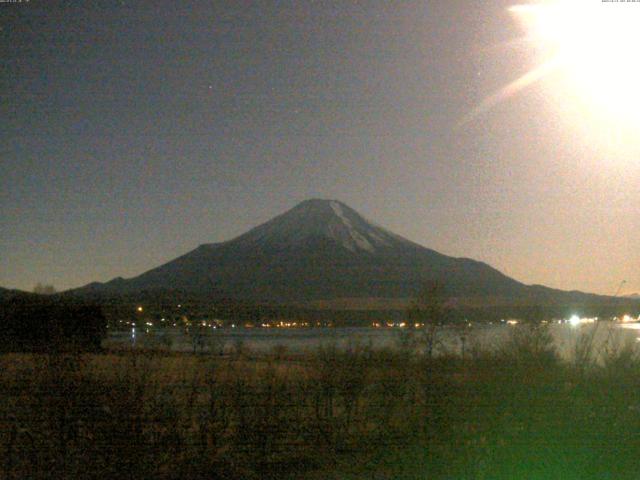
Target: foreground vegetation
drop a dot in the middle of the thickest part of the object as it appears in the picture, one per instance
(516, 413)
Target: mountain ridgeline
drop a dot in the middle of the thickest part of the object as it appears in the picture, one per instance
(324, 252)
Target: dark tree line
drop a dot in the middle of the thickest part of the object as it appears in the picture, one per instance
(38, 325)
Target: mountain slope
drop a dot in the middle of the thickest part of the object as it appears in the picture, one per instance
(324, 250)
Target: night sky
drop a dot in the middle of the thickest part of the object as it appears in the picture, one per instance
(134, 131)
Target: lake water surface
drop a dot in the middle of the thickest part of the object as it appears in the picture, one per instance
(300, 340)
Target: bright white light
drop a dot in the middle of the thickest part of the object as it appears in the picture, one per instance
(588, 48)
(575, 320)
(593, 45)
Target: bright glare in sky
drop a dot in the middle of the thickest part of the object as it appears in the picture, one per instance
(593, 44)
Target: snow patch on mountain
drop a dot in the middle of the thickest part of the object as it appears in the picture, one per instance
(378, 239)
(357, 238)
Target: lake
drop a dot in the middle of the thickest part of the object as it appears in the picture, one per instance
(301, 340)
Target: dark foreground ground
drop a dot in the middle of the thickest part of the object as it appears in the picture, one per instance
(518, 413)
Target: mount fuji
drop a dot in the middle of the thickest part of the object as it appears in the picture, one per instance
(324, 251)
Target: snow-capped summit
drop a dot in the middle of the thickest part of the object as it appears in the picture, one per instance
(317, 218)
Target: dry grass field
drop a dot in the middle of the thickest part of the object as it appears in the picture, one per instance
(516, 413)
